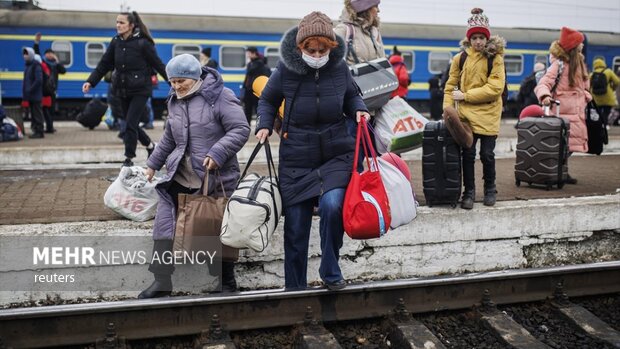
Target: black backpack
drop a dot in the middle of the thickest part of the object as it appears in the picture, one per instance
(599, 82)
(489, 67)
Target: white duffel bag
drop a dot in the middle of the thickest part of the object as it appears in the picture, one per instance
(403, 205)
(254, 208)
(131, 195)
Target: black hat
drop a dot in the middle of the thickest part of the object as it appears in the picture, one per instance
(252, 49)
(206, 51)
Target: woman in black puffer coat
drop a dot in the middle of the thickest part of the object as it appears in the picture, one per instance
(131, 55)
(316, 152)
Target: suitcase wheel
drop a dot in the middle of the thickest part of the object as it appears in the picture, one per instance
(91, 128)
(549, 186)
(560, 185)
(453, 205)
(517, 183)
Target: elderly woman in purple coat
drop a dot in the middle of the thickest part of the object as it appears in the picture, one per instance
(206, 128)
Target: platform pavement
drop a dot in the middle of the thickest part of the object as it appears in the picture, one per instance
(73, 145)
(52, 196)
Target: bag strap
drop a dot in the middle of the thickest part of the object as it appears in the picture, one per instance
(270, 164)
(350, 35)
(290, 111)
(205, 182)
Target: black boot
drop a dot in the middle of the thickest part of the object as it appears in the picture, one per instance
(161, 287)
(467, 202)
(162, 268)
(225, 272)
(490, 192)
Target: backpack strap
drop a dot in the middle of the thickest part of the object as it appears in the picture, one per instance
(557, 76)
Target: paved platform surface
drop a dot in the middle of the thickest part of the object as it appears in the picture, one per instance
(51, 196)
(71, 134)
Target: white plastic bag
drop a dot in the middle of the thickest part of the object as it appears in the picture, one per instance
(403, 206)
(132, 196)
(399, 126)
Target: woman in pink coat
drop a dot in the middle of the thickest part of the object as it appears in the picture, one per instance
(571, 89)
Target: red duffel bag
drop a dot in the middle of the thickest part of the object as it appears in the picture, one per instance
(366, 209)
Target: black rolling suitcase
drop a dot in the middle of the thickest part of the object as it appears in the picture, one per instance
(542, 150)
(597, 130)
(93, 112)
(441, 165)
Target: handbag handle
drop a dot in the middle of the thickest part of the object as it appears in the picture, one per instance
(205, 182)
(270, 164)
(364, 137)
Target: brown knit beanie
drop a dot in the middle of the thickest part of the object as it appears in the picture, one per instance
(315, 24)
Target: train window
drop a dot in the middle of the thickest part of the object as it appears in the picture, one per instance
(64, 51)
(514, 64)
(193, 50)
(232, 57)
(273, 56)
(616, 65)
(94, 52)
(409, 59)
(438, 61)
(542, 59)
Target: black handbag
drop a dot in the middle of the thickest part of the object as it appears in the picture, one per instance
(376, 80)
(597, 129)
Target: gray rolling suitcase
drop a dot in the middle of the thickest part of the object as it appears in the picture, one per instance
(542, 150)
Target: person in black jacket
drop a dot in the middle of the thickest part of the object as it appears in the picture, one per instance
(316, 151)
(132, 57)
(32, 91)
(206, 60)
(51, 59)
(255, 68)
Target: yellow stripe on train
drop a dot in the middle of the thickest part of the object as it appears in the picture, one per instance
(8, 75)
(104, 39)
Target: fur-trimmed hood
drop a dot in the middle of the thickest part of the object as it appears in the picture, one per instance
(558, 52)
(495, 45)
(347, 16)
(291, 55)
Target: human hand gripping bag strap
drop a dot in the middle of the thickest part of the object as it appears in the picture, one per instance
(200, 216)
(366, 208)
(131, 195)
(403, 205)
(254, 208)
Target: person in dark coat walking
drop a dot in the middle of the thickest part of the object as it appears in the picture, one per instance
(436, 97)
(32, 91)
(205, 130)
(316, 151)
(255, 68)
(131, 55)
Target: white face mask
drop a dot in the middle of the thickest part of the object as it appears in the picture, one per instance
(315, 63)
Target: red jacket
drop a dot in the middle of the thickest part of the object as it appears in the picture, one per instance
(47, 100)
(403, 76)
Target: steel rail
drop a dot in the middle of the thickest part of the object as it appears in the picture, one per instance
(137, 319)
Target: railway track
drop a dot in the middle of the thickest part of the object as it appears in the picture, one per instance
(210, 319)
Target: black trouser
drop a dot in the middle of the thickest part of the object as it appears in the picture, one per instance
(250, 103)
(36, 113)
(133, 107)
(49, 119)
(604, 112)
(487, 156)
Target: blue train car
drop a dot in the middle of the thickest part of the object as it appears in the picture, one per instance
(80, 39)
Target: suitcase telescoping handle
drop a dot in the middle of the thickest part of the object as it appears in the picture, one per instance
(546, 108)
